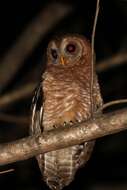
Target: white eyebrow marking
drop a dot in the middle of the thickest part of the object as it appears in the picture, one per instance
(54, 45)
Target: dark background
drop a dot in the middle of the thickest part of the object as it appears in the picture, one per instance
(107, 167)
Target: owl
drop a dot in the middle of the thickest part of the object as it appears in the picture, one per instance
(63, 98)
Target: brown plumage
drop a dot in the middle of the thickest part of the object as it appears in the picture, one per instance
(66, 90)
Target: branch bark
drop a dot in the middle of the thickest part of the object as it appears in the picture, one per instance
(60, 138)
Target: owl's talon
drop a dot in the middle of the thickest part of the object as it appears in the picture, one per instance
(65, 123)
(71, 122)
(78, 121)
(54, 126)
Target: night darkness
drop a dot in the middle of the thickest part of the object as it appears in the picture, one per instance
(106, 170)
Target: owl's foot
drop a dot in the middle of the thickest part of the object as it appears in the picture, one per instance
(68, 124)
(54, 126)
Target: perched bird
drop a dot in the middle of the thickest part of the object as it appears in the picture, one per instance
(64, 98)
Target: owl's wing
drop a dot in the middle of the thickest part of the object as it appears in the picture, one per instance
(37, 116)
(98, 103)
(97, 98)
(37, 111)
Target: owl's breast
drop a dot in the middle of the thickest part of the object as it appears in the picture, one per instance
(64, 101)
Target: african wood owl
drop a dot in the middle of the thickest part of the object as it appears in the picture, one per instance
(64, 97)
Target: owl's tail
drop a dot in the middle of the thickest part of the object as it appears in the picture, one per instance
(54, 185)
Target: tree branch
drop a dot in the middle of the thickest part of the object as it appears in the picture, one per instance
(63, 137)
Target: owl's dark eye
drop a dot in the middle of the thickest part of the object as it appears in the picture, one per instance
(71, 48)
(54, 53)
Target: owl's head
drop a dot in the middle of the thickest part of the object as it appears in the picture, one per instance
(69, 51)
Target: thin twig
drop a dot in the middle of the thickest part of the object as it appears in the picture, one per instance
(114, 102)
(7, 171)
(92, 44)
(63, 137)
(47, 19)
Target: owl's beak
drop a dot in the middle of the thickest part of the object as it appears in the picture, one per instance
(62, 61)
